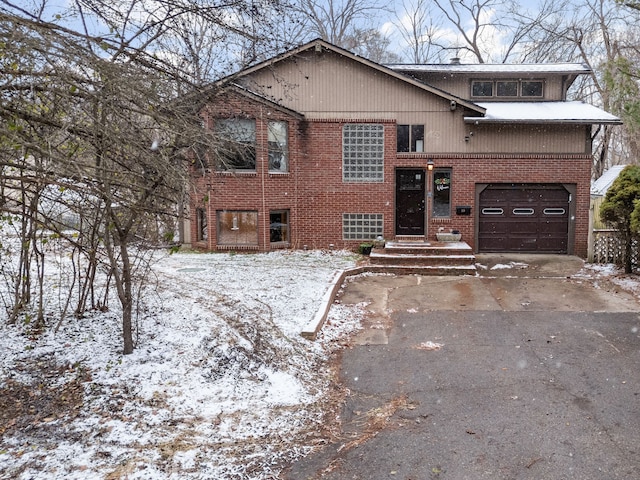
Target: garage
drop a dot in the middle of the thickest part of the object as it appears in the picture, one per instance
(528, 218)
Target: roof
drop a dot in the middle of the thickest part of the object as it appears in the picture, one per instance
(600, 186)
(543, 112)
(486, 68)
(319, 45)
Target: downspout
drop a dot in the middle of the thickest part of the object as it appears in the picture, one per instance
(262, 175)
(210, 224)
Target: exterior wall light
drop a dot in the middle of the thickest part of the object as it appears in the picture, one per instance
(430, 165)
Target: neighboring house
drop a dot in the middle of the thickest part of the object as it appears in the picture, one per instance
(599, 189)
(325, 149)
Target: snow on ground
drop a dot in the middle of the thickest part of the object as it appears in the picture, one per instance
(221, 384)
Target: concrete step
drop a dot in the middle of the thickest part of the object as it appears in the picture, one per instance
(426, 258)
(382, 258)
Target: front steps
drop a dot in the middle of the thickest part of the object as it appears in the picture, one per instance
(424, 258)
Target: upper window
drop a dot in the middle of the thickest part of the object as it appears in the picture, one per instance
(363, 152)
(507, 88)
(532, 88)
(482, 89)
(278, 147)
(410, 138)
(237, 149)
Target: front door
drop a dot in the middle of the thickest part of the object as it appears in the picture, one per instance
(410, 201)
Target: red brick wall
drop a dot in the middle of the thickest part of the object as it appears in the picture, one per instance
(317, 197)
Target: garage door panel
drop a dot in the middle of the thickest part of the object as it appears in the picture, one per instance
(524, 218)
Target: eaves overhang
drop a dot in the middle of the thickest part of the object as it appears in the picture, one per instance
(569, 113)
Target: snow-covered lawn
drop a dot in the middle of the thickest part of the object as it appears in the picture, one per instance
(221, 384)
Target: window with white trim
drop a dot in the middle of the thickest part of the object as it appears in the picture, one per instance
(237, 144)
(363, 152)
(362, 226)
(277, 138)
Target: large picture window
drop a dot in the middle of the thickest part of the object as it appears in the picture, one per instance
(363, 152)
(237, 144)
(237, 227)
(442, 193)
(410, 138)
(278, 146)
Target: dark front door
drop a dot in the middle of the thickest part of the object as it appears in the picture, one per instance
(410, 201)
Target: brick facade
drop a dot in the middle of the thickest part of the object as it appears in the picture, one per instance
(316, 196)
(318, 89)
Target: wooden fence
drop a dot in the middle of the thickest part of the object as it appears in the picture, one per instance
(606, 247)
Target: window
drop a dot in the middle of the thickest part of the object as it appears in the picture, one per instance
(532, 89)
(507, 88)
(278, 146)
(236, 227)
(410, 138)
(279, 226)
(363, 152)
(482, 89)
(237, 149)
(442, 193)
(201, 224)
(361, 226)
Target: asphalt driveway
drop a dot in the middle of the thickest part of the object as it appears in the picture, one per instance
(530, 370)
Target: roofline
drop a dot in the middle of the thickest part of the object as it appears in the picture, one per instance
(319, 44)
(478, 120)
(262, 99)
(471, 68)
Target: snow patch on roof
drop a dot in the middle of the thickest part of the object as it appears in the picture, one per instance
(600, 186)
(547, 112)
(484, 68)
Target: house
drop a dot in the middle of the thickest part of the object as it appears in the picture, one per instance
(599, 188)
(324, 149)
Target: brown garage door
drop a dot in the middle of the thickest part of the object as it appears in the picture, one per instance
(523, 218)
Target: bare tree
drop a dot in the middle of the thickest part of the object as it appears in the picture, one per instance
(476, 30)
(597, 33)
(92, 110)
(421, 29)
(345, 23)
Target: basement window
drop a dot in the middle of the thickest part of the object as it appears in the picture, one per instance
(201, 224)
(237, 228)
(362, 226)
(279, 226)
